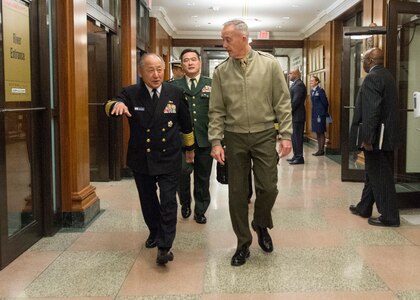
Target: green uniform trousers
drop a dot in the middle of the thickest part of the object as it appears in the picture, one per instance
(202, 169)
(241, 149)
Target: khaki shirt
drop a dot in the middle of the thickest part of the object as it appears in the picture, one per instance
(249, 99)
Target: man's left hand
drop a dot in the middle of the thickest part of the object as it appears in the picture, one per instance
(285, 147)
(189, 156)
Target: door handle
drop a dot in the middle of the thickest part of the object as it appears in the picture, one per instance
(407, 109)
(350, 107)
(3, 110)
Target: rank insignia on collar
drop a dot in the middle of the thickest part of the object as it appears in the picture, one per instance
(170, 124)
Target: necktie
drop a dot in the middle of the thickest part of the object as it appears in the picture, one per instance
(155, 97)
(243, 64)
(192, 84)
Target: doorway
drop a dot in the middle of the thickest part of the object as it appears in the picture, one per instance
(25, 126)
(98, 62)
(356, 41)
(403, 59)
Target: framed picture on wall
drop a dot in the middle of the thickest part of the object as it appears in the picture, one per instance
(310, 69)
(316, 58)
(321, 57)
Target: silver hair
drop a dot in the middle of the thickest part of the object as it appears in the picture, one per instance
(240, 25)
(144, 56)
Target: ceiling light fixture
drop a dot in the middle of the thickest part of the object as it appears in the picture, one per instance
(250, 21)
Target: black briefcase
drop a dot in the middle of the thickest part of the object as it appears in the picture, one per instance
(222, 172)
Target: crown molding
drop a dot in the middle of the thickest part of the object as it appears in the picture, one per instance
(339, 7)
(161, 15)
(334, 11)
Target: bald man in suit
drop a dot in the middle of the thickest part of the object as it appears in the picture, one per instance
(298, 96)
(375, 126)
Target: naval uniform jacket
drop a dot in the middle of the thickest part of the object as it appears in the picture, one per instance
(198, 101)
(155, 144)
(319, 109)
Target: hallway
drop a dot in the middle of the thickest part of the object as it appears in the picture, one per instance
(321, 250)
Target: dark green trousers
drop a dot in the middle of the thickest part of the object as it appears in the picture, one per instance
(202, 169)
(260, 149)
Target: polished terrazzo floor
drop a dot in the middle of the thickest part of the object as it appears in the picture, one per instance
(321, 250)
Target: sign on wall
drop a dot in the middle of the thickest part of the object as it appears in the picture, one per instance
(17, 56)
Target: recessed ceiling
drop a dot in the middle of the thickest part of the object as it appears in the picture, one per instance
(281, 18)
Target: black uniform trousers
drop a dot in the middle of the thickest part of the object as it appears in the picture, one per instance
(379, 186)
(159, 216)
(202, 166)
(297, 139)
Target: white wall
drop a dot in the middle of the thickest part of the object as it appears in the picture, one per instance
(413, 134)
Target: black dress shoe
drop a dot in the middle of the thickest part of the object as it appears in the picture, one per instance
(240, 256)
(297, 162)
(163, 256)
(264, 239)
(381, 222)
(290, 159)
(150, 242)
(200, 218)
(356, 212)
(318, 153)
(185, 211)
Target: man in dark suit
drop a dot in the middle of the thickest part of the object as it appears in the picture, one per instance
(197, 90)
(157, 114)
(375, 127)
(298, 96)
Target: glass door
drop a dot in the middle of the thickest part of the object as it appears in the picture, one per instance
(25, 143)
(403, 59)
(356, 41)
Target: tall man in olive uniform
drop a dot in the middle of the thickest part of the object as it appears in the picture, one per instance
(249, 93)
(157, 112)
(197, 91)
